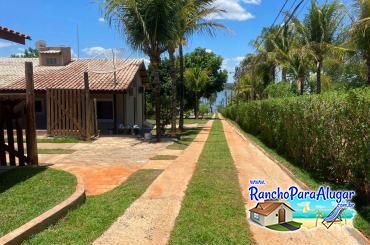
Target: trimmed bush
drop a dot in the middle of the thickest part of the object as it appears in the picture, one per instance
(327, 135)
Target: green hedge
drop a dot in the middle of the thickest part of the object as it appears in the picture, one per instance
(327, 135)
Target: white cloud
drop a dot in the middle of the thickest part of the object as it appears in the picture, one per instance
(21, 49)
(101, 19)
(5, 44)
(94, 51)
(209, 50)
(233, 10)
(73, 54)
(230, 63)
(256, 2)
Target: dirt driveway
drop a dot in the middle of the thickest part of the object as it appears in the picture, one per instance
(104, 163)
(251, 163)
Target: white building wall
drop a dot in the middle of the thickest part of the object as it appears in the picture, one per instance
(273, 218)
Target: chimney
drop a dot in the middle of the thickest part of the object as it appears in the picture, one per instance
(54, 56)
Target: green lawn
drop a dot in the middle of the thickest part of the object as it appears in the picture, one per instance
(277, 227)
(163, 157)
(28, 192)
(186, 138)
(55, 151)
(60, 140)
(213, 211)
(361, 221)
(97, 214)
(193, 121)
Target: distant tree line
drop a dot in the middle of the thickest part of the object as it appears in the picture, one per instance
(317, 54)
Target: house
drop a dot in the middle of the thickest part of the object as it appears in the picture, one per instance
(119, 93)
(271, 212)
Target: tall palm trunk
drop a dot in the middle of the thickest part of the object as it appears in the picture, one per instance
(368, 70)
(301, 85)
(182, 88)
(171, 52)
(318, 75)
(196, 108)
(155, 61)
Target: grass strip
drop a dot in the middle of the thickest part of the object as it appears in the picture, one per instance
(61, 140)
(185, 140)
(55, 151)
(361, 221)
(28, 192)
(97, 214)
(163, 157)
(213, 211)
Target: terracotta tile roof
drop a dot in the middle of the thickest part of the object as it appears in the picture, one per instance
(266, 208)
(15, 33)
(71, 76)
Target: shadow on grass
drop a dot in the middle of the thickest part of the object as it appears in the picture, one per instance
(10, 178)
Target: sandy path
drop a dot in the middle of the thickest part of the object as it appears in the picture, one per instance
(251, 163)
(150, 219)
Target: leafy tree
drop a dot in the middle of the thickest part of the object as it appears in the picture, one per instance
(361, 32)
(320, 30)
(148, 25)
(282, 89)
(211, 62)
(193, 19)
(28, 53)
(196, 80)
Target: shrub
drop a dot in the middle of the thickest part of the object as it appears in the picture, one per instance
(327, 135)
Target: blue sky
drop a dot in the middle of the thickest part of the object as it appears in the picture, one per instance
(55, 21)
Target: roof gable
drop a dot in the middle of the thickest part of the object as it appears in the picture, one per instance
(266, 208)
(71, 76)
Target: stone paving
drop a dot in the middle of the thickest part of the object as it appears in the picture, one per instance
(252, 163)
(150, 219)
(104, 163)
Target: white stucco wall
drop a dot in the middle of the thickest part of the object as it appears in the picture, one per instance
(273, 218)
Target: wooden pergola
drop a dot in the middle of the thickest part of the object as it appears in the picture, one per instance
(13, 36)
(14, 108)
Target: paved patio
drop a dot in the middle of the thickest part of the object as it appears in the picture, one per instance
(104, 163)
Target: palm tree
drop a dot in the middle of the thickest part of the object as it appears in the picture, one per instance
(319, 31)
(319, 214)
(196, 79)
(192, 19)
(148, 26)
(361, 32)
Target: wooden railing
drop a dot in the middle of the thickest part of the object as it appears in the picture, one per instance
(71, 112)
(16, 111)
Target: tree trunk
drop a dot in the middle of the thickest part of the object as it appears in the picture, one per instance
(171, 53)
(301, 85)
(155, 62)
(182, 89)
(196, 108)
(368, 70)
(318, 76)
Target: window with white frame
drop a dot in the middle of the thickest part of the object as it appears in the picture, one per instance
(256, 216)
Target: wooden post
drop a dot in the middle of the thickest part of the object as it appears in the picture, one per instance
(87, 106)
(31, 117)
(95, 120)
(115, 114)
(48, 109)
